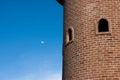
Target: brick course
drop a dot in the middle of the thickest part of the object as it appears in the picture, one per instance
(92, 56)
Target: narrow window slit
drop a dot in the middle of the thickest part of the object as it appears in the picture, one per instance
(70, 34)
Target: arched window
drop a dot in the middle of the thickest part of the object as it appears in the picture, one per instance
(69, 35)
(103, 26)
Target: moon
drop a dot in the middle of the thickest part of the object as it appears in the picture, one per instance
(42, 42)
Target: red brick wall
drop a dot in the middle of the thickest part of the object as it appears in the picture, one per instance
(92, 56)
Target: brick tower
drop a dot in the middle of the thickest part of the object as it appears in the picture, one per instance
(91, 48)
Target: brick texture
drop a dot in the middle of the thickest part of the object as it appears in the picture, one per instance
(91, 56)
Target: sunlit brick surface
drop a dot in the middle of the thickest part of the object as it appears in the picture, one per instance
(92, 56)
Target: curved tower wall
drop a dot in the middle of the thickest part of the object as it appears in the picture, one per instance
(91, 55)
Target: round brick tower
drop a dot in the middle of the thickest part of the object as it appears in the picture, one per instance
(91, 48)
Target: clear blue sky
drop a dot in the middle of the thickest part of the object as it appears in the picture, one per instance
(23, 25)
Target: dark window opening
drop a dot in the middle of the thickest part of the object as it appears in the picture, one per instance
(70, 34)
(103, 26)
